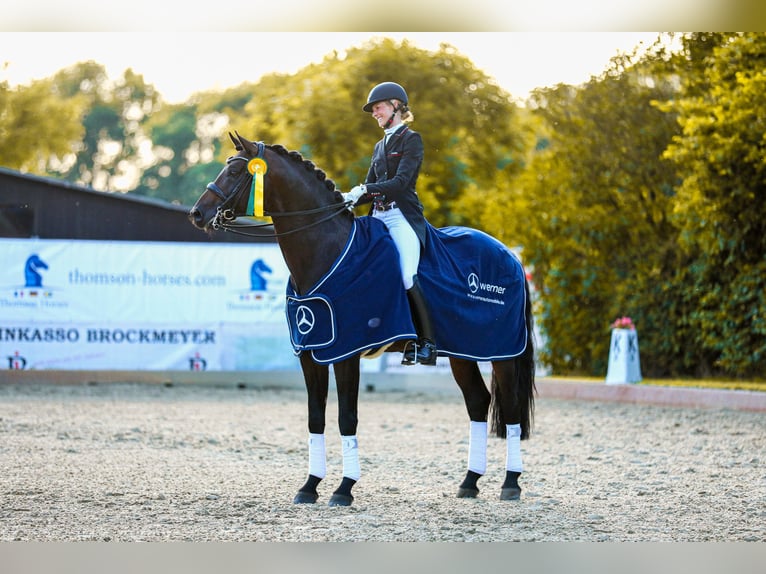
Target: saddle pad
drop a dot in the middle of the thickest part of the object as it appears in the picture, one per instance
(359, 304)
(474, 285)
(476, 291)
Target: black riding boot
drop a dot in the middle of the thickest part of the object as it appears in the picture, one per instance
(423, 350)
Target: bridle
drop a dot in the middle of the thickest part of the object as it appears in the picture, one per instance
(226, 219)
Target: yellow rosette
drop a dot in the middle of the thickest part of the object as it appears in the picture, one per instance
(257, 168)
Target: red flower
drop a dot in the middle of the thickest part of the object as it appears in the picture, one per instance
(624, 323)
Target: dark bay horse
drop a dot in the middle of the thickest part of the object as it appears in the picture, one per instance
(312, 225)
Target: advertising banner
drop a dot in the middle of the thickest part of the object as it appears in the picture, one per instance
(140, 305)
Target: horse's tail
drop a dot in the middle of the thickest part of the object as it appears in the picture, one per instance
(521, 383)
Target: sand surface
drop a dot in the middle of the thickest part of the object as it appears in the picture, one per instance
(144, 462)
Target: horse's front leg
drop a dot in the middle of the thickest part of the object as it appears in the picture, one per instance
(316, 377)
(347, 382)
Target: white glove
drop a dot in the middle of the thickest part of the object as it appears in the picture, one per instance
(354, 195)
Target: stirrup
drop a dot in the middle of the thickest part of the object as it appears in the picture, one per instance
(408, 357)
(421, 351)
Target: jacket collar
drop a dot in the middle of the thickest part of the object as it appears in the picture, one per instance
(399, 130)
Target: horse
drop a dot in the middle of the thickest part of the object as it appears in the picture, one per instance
(312, 225)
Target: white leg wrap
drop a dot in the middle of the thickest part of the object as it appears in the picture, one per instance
(350, 457)
(513, 446)
(477, 448)
(317, 455)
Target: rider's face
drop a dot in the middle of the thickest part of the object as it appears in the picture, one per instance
(381, 112)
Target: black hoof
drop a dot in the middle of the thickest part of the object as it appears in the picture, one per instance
(510, 493)
(467, 492)
(340, 500)
(305, 498)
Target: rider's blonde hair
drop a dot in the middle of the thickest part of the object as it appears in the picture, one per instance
(406, 113)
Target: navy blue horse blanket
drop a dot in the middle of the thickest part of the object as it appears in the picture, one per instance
(475, 287)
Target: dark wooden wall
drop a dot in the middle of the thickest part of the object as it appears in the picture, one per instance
(32, 206)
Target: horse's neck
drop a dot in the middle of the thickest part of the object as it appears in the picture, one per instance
(310, 254)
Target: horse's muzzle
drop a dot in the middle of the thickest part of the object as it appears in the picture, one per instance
(196, 217)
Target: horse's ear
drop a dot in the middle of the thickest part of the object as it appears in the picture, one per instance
(237, 144)
(246, 144)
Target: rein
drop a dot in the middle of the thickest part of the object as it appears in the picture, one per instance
(226, 219)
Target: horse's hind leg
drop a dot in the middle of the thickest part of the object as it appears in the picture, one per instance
(477, 400)
(511, 420)
(316, 378)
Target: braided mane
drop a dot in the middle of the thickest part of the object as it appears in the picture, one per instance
(307, 164)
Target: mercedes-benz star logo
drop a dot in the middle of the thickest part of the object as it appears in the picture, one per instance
(473, 282)
(304, 319)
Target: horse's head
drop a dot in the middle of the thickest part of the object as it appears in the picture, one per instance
(227, 196)
(271, 181)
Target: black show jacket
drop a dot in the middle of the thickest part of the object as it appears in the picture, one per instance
(393, 174)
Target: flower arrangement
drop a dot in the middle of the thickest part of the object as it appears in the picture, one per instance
(623, 323)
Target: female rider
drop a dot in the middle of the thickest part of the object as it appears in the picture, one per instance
(390, 187)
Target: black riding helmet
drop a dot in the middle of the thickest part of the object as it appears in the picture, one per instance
(383, 92)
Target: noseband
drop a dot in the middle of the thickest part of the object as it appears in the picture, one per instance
(225, 217)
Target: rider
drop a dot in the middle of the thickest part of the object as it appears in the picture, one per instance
(390, 187)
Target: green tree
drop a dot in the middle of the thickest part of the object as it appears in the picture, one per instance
(36, 127)
(722, 201)
(591, 209)
(187, 143)
(466, 120)
(183, 153)
(108, 156)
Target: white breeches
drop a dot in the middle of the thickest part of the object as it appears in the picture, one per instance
(406, 241)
